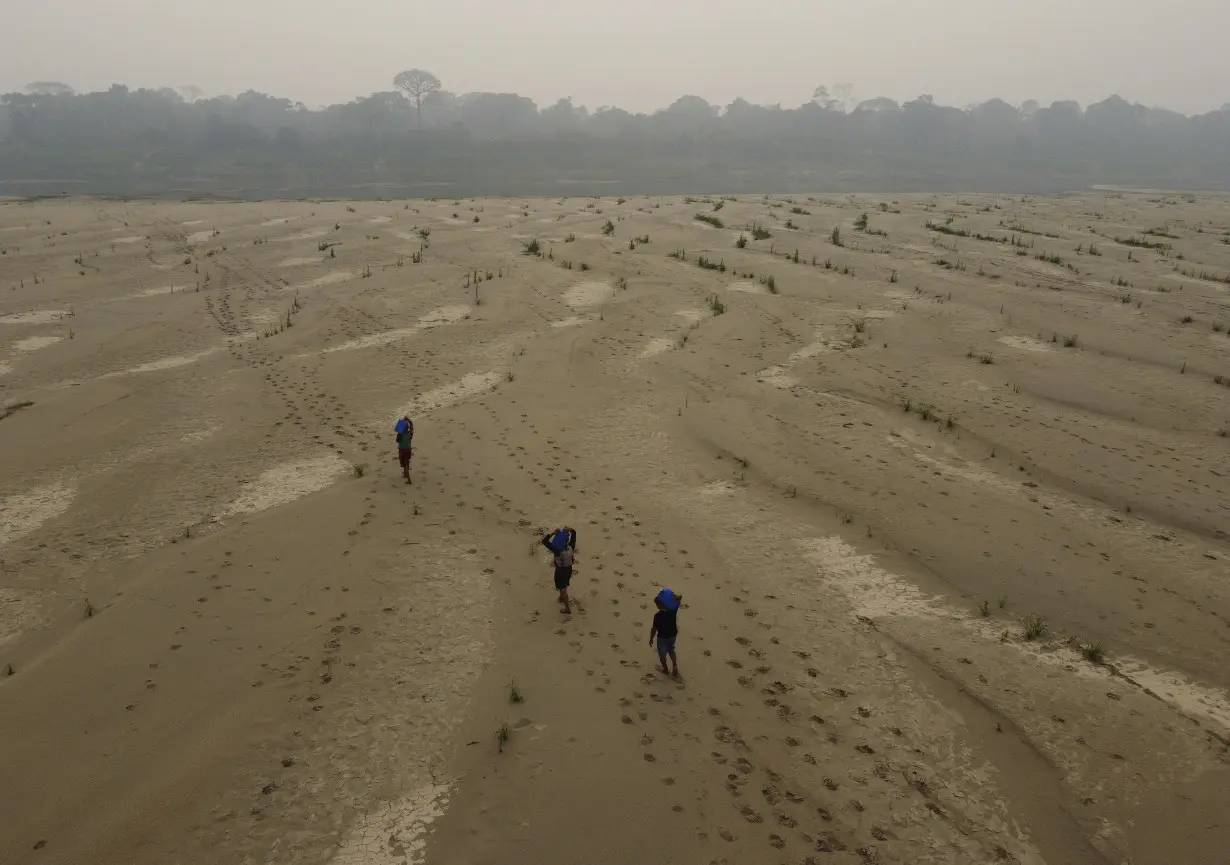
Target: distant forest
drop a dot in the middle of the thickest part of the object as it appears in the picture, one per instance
(421, 140)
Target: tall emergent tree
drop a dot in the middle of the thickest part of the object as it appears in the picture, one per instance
(417, 83)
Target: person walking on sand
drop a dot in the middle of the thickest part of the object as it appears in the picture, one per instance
(666, 628)
(563, 546)
(404, 429)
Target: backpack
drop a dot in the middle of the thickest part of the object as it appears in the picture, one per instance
(561, 540)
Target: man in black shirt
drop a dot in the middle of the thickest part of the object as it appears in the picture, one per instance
(666, 628)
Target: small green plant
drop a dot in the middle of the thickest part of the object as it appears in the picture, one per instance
(531, 247)
(608, 228)
(759, 232)
(514, 693)
(835, 236)
(502, 735)
(1094, 653)
(892, 277)
(716, 305)
(1035, 627)
(710, 220)
(358, 469)
(1187, 319)
(741, 243)
(583, 266)
(987, 358)
(770, 283)
(860, 325)
(570, 238)
(1070, 341)
(985, 609)
(861, 223)
(89, 609)
(1003, 601)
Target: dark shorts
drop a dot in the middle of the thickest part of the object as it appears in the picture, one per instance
(666, 645)
(563, 576)
(403, 457)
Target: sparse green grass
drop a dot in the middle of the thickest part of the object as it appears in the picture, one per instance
(759, 232)
(358, 469)
(1094, 653)
(1035, 627)
(741, 243)
(89, 609)
(716, 305)
(861, 223)
(1187, 319)
(531, 247)
(583, 266)
(835, 236)
(502, 734)
(770, 283)
(1070, 341)
(608, 228)
(985, 609)
(570, 238)
(710, 220)
(860, 325)
(514, 693)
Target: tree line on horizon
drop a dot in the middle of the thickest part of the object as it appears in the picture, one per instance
(418, 137)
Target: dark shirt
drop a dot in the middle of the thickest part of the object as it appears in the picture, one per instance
(664, 622)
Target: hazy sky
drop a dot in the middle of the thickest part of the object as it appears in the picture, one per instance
(638, 54)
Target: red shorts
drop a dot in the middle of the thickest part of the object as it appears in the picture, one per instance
(403, 457)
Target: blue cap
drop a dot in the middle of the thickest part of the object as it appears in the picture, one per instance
(401, 426)
(668, 599)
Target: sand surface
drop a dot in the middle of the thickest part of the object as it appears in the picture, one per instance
(230, 632)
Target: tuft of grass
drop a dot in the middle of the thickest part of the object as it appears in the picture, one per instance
(987, 358)
(1035, 627)
(716, 305)
(608, 228)
(514, 693)
(860, 325)
(835, 237)
(502, 735)
(1094, 653)
(89, 609)
(359, 469)
(770, 283)
(1003, 601)
(759, 232)
(710, 220)
(985, 609)
(583, 266)
(741, 243)
(531, 247)
(1070, 341)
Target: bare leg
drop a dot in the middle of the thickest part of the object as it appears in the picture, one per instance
(563, 599)
(674, 663)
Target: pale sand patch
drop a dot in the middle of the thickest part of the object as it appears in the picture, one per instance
(200, 236)
(34, 343)
(327, 279)
(281, 220)
(714, 489)
(135, 238)
(777, 376)
(472, 384)
(586, 294)
(38, 316)
(165, 363)
(811, 350)
(1026, 343)
(747, 287)
(444, 315)
(22, 513)
(387, 337)
(287, 482)
(5, 368)
(397, 835)
(380, 220)
(571, 321)
(657, 346)
(199, 435)
(309, 234)
(692, 315)
(192, 222)
(298, 262)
